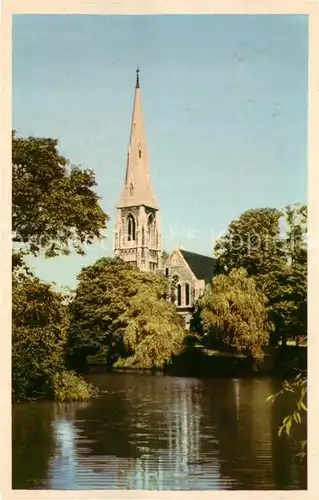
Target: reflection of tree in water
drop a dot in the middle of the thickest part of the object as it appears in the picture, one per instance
(166, 432)
(155, 433)
(242, 434)
(67, 411)
(106, 426)
(172, 440)
(146, 428)
(33, 444)
(123, 423)
(247, 435)
(65, 455)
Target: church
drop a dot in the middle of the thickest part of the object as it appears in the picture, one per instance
(138, 238)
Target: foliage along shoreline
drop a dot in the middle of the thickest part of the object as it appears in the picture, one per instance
(119, 315)
(64, 387)
(194, 361)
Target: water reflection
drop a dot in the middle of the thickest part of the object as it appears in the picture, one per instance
(161, 433)
(245, 441)
(33, 444)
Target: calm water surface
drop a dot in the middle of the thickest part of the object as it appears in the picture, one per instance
(155, 432)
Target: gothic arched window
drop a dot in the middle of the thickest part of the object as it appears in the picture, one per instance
(187, 294)
(173, 287)
(140, 153)
(179, 295)
(151, 229)
(131, 189)
(131, 228)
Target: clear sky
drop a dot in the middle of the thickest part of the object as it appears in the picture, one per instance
(225, 105)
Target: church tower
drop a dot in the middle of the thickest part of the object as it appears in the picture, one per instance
(138, 229)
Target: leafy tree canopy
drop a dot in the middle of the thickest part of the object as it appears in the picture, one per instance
(286, 284)
(251, 242)
(235, 310)
(286, 290)
(54, 204)
(271, 246)
(296, 219)
(153, 332)
(39, 335)
(102, 298)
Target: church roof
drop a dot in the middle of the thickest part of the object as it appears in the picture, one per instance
(201, 265)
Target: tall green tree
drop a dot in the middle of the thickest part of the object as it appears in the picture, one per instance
(271, 245)
(54, 205)
(235, 311)
(153, 333)
(102, 298)
(263, 240)
(54, 209)
(286, 289)
(251, 242)
(286, 284)
(39, 336)
(296, 221)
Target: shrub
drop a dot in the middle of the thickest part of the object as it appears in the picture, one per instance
(68, 386)
(39, 336)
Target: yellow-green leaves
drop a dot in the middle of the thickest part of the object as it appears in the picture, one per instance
(117, 307)
(235, 310)
(302, 405)
(154, 331)
(294, 391)
(68, 386)
(270, 245)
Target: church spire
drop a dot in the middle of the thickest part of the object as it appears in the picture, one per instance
(137, 188)
(137, 236)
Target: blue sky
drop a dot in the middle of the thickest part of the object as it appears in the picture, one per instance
(225, 105)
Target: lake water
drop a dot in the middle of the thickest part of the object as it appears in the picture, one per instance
(157, 432)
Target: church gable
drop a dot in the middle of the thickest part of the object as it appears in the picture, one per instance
(175, 260)
(201, 265)
(177, 269)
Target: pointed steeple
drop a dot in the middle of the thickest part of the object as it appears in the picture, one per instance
(137, 188)
(137, 237)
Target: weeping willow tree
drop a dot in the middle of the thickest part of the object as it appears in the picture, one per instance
(153, 332)
(235, 311)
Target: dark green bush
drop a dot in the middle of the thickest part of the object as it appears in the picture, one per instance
(39, 336)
